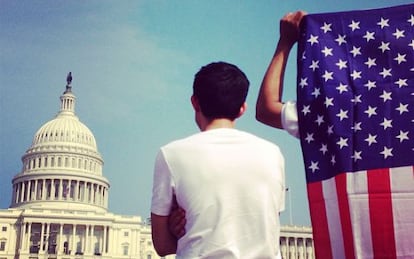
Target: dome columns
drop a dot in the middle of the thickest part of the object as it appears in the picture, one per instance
(60, 189)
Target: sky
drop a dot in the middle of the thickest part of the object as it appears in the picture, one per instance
(133, 64)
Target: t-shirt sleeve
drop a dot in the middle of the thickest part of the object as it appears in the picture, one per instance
(162, 189)
(290, 118)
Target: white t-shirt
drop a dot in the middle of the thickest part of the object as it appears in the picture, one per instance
(231, 185)
(290, 118)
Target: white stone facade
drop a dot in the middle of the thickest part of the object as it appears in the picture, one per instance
(296, 242)
(59, 202)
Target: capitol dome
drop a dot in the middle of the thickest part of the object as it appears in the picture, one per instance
(62, 164)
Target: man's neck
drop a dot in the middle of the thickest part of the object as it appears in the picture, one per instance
(219, 123)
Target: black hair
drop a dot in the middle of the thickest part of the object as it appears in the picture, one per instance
(221, 89)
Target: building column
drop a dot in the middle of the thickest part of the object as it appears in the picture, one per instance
(92, 193)
(86, 245)
(23, 237)
(72, 246)
(28, 192)
(76, 191)
(85, 189)
(104, 241)
(91, 240)
(43, 192)
(60, 190)
(35, 189)
(29, 234)
(52, 189)
(22, 185)
(42, 230)
(47, 236)
(60, 242)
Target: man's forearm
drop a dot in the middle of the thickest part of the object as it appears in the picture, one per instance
(164, 241)
(269, 103)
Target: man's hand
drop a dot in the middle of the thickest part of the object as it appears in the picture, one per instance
(176, 220)
(289, 27)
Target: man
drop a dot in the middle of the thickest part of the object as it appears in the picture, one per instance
(229, 183)
(270, 109)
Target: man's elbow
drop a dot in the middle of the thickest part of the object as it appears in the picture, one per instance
(164, 249)
(268, 118)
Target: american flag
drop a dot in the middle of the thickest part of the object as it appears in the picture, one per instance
(356, 118)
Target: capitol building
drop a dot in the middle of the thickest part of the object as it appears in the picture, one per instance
(59, 202)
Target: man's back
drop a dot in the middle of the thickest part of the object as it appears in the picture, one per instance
(231, 185)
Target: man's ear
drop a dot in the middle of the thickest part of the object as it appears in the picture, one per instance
(195, 103)
(243, 109)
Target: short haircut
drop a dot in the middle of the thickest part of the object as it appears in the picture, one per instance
(221, 89)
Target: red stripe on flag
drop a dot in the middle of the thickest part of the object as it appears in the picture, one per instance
(380, 207)
(343, 205)
(322, 242)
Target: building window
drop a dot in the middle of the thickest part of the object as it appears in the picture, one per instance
(126, 233)
(2, 245)
(4, 229)
(125, 250)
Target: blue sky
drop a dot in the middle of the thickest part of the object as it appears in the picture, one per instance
(133, 64)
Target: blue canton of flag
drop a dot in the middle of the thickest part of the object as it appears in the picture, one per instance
(356, 91)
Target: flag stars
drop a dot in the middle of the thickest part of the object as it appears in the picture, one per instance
(324, 148)
(357, 126)
(370, 62)
(385, 72)
(401, 82)
(369, 36)
(314, 166)
(400, 58)
(398, 34)
(329, 131)
(383, 23)
(316, 92)
(356, 99)
(354, 25)
(411, 20)
(315, 65)
(341, 64)
(319, 120)
(306, 109)
(303, 82)
(386, 123)
(403, 136)
(327, 75)
(343, 114)
(342, 88)
(402, 108)
(309, 137)
(326, 27)
(371, 139)
(343, 142)
(333, 160)
(341, 39)
(386, 152)
(355, 74)
(411, 44)
(355, 51)
(328, 102)
(370, 84)
(384, 46)
(386, 96)
(327, 51)
(357, 155)
(371, 111)
(313, 39)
